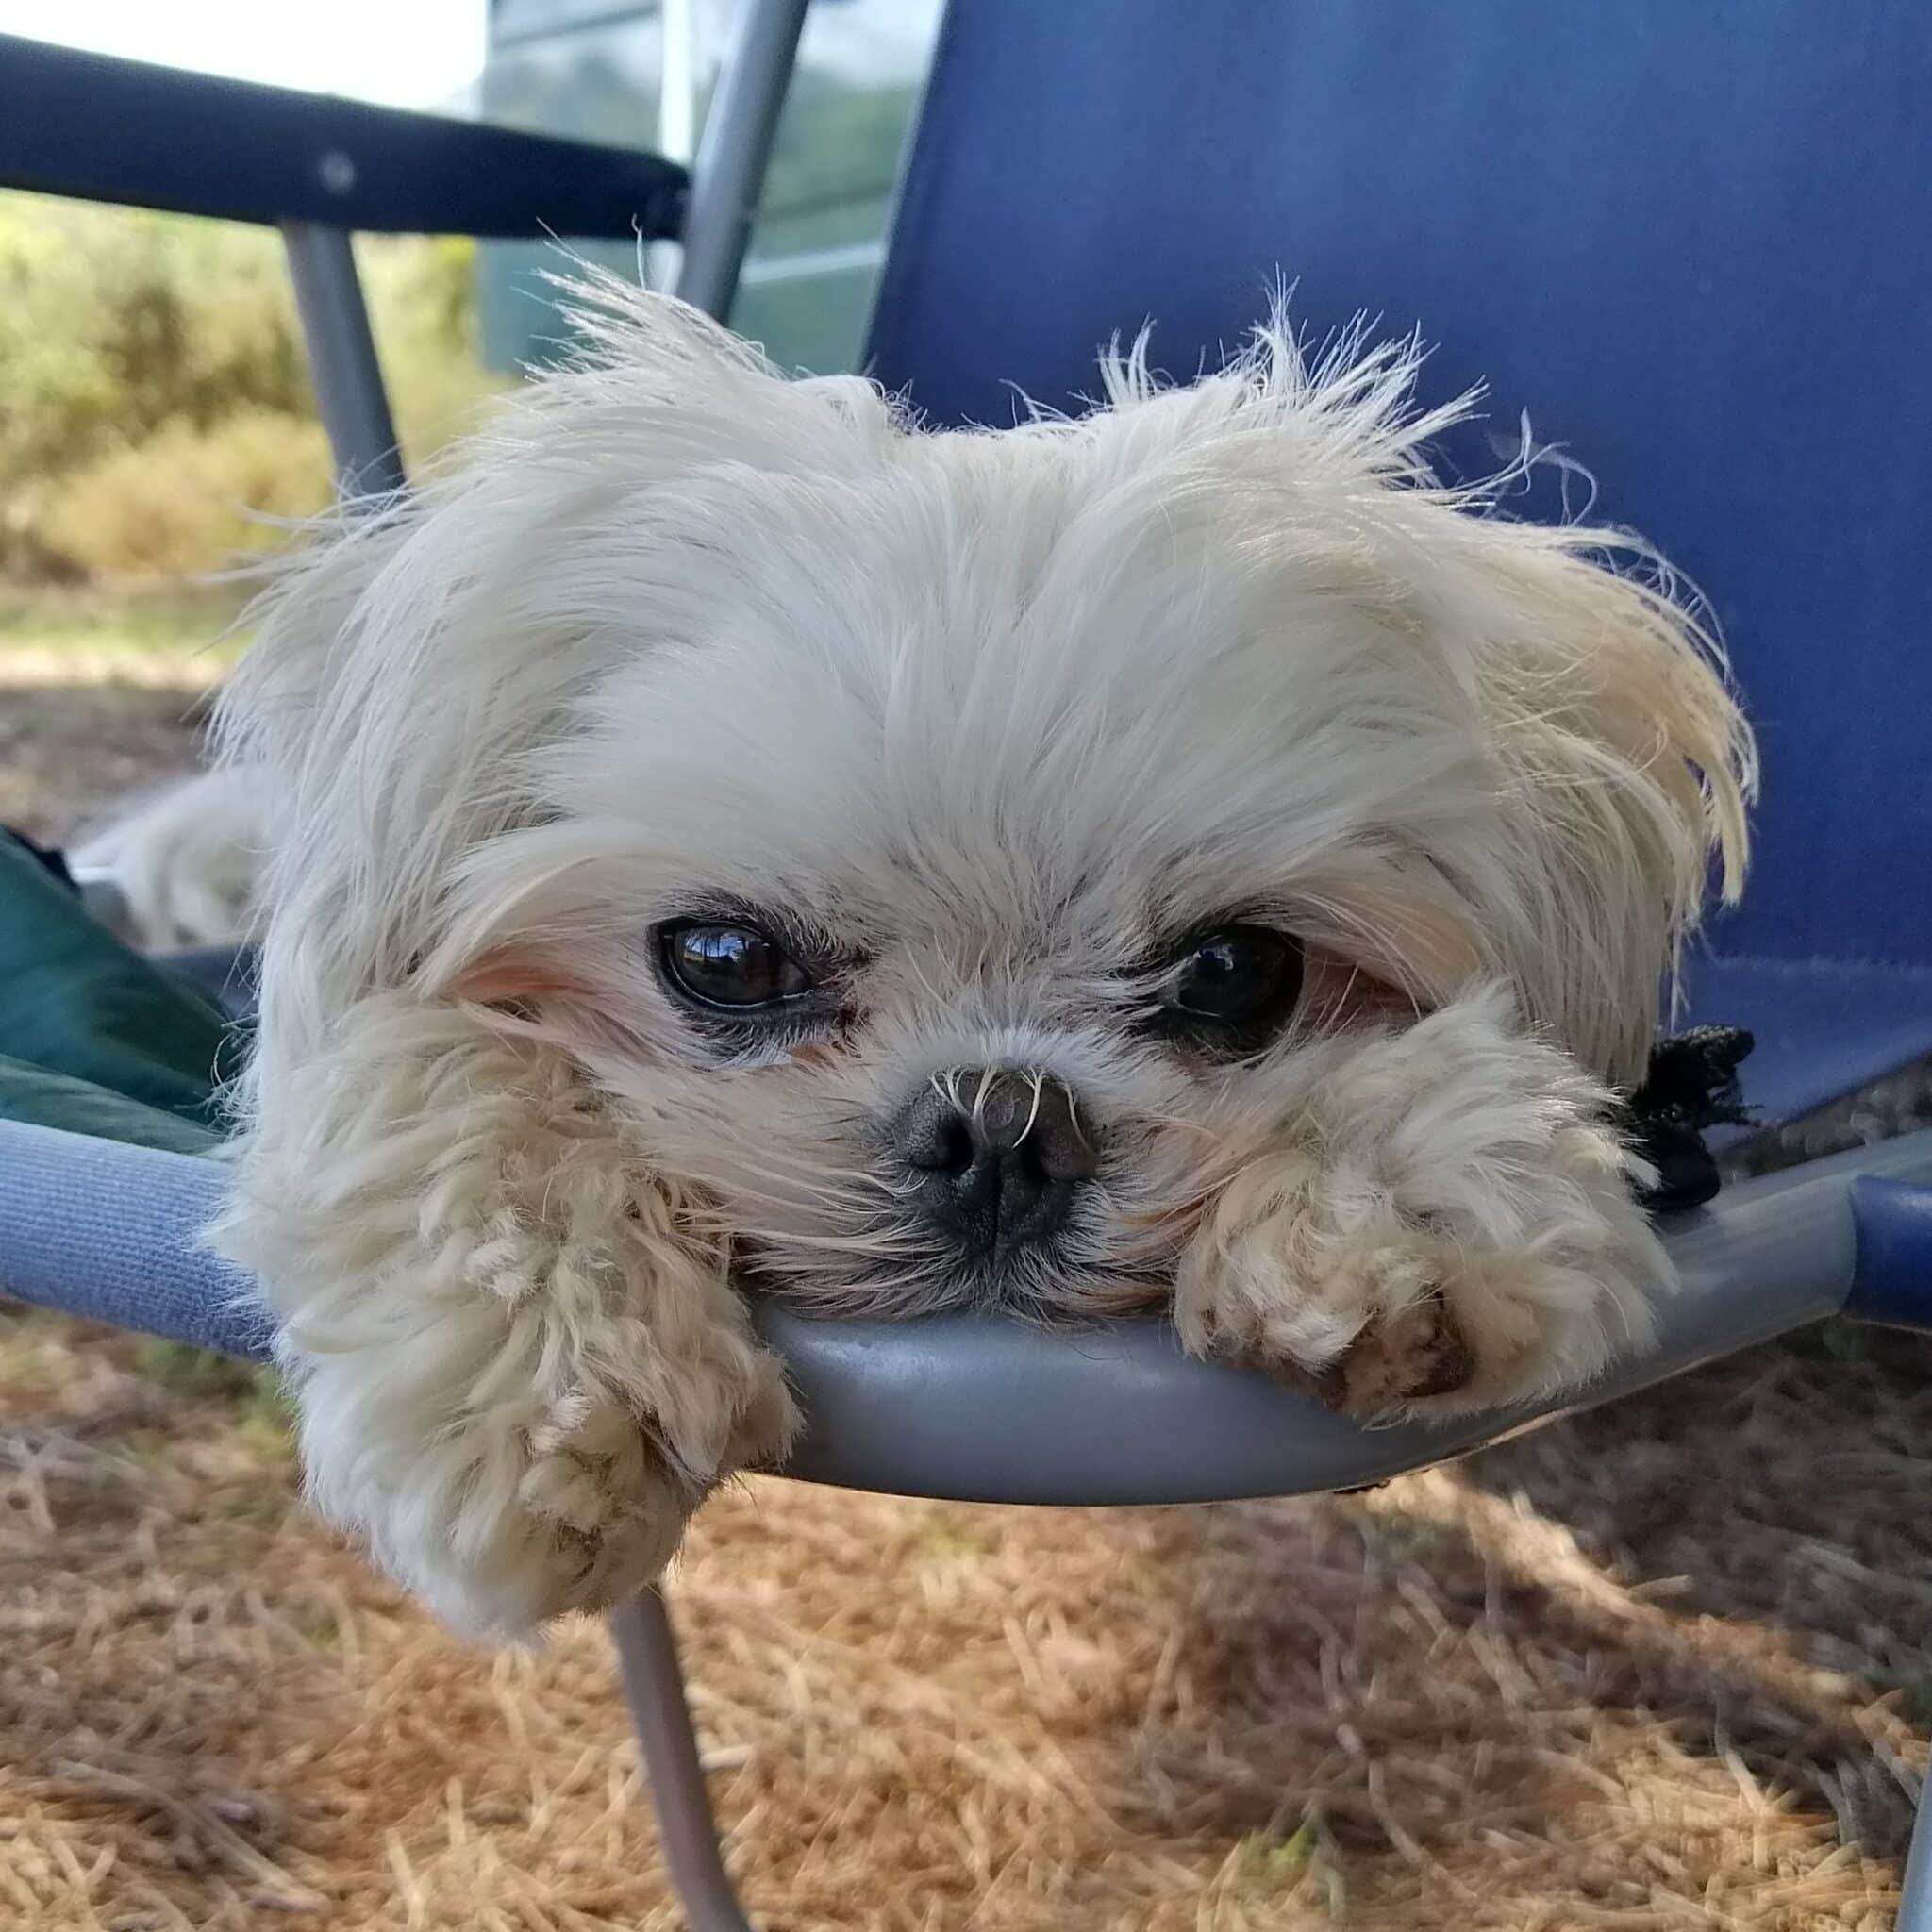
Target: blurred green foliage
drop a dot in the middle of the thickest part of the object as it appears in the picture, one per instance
(114, 322)
(185, 499)
(156, 419)
(154, 392)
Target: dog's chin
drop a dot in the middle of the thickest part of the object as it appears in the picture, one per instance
(1042, 1292)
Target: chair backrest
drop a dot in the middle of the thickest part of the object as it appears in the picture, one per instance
(1692, 242)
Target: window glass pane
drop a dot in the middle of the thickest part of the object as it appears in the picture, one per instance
(596, 71)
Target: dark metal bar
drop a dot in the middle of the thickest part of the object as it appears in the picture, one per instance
(654, 1689)
(349, 390)
(729, 172)
(101, 129)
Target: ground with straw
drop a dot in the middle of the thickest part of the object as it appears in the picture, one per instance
(1661, 1665)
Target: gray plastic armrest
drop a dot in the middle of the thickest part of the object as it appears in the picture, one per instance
(977, 1406)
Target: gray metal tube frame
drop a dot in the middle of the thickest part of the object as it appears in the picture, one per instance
(980, 1407)
(342, 362)
(660, 1713)
(986, 1408)
(1915, 1903)
(729, 172)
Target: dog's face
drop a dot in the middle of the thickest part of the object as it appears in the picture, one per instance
(976, 868)
(956, 855)
(722, 832)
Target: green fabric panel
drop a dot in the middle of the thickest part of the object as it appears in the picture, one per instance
(77, 1004)
(57, 1100)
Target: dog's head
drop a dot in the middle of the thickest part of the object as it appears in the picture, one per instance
(949, 852)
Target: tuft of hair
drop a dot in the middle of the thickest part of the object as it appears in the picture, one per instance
(410, 657)
(1597, 669)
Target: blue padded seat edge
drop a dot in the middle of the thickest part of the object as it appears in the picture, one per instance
(1892, 1283)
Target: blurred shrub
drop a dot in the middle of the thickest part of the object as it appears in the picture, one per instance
(130, 341)
(187, 499)
(115, 321)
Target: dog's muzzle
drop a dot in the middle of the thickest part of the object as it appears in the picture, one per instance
(997, 1157)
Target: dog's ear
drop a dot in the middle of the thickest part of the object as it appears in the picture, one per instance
(1627, 764)
(520, 1365)
(407, 663)
(1622, 760)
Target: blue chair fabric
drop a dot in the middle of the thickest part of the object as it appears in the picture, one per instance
(1686, 241)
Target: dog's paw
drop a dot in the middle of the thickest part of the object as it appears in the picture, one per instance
(1367, 1327)
(1450, 1228)
(1406, 1324)
(597, 1512)
(612, 1495)
(519, 1370)
(519, 1510)
(603, 1502)
(1417, 1352)
(183, 863)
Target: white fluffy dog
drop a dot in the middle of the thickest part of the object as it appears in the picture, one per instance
(719, 833)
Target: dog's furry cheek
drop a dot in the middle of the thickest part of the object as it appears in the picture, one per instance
(586, 1008)
(518, 1370)
(1338, 996)
(515, 977)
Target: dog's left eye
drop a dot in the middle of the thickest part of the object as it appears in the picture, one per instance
(1245, 978)
(731, 965)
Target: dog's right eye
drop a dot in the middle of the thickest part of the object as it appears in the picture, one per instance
(731, 966)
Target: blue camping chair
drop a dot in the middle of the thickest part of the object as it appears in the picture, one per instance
(1685, 237)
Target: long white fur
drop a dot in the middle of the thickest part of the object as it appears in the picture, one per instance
(184, 859)
(996, 712)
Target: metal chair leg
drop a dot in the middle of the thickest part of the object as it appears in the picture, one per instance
(349, 390)
(730, 171)
(654, 1689)
(1915, 1907)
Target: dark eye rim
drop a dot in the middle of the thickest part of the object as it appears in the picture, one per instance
(1241, 1035)
(1283, 946)
(665, 936)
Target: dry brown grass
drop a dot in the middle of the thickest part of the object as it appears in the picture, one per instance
(189, 496)
(1657, 1667)
(99, 696)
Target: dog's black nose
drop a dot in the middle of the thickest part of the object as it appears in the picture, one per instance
(998, 1154)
